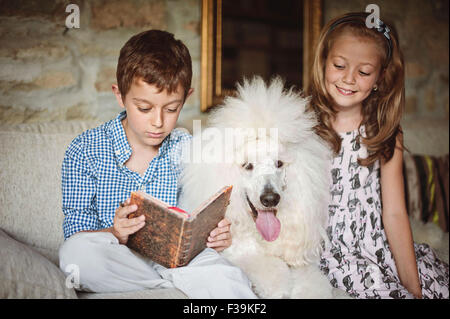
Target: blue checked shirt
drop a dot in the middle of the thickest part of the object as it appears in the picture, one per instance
(95, 180)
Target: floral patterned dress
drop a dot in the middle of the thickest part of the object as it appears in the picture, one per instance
(358, 259)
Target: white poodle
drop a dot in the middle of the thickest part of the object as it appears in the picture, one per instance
(262, 142)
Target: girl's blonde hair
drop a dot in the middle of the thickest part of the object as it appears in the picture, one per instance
(382, 109)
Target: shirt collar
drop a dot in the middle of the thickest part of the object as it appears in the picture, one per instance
(116, 132)
(164, 146)
(122, 148)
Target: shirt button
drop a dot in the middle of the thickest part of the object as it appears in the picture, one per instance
(118, 153)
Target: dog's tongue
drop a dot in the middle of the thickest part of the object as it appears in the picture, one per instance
(268, 225)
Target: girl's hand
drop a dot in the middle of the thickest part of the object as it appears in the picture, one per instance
(416, 291)
(220, 238)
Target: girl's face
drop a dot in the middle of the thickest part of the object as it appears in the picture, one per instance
(352, 69)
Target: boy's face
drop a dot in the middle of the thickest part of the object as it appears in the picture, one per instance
(151, 115)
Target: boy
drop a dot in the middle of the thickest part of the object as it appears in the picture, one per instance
(140, 149)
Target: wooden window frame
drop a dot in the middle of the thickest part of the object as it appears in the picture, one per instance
(212, 92)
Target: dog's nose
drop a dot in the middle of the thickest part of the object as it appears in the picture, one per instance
(269, 199)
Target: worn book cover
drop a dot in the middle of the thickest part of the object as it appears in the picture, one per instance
(172, 237)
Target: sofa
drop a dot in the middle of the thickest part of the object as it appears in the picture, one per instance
(31, 215)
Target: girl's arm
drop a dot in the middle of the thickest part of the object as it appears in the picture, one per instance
(396, 222)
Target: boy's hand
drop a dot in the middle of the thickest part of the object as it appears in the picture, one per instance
(124, 227)
(220, 238)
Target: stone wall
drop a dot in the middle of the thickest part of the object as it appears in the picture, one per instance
(48, 73)
(423, 32)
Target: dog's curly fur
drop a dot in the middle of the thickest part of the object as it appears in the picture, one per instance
(286, 266)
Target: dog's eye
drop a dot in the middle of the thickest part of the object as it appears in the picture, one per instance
(248, 166)
(279, 164)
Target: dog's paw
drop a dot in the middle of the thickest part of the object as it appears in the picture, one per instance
(309, 283)
(340, 294)
(270, 276)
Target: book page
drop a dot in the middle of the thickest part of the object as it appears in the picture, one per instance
(211, 199)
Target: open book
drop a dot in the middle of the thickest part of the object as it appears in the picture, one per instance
(172, 237)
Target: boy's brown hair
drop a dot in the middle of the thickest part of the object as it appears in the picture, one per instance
(157, 58)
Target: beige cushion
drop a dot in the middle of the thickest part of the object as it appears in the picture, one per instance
(71, 127)
(426, 136)
(169, 293)
(30, 183)
(24, 273)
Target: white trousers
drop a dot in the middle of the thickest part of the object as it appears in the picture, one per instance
(106, 266)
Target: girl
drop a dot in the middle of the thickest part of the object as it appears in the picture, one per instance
(357, 92)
